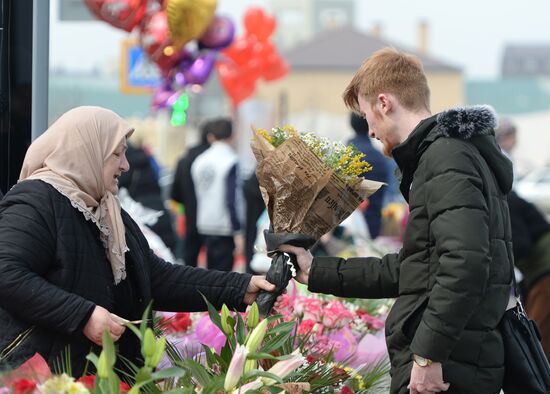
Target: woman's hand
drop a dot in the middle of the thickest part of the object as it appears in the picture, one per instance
(304, 258)
(100, 321)
(256, 284)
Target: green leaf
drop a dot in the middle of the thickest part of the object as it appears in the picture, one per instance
(114, 383)
(256, 373)
(282, 328)
(213, 313)
(173, 372)
(145, 317)
(241, 333)
(102, 366)
(226, 352)
(210, 358)
(215, 386)
(275, 342)
(224, 364)
(143, 375)
(136, 388)
(102, 386)
(109, 349)
(93, 359)
(181, 390)
(267, 356)
(198, 371)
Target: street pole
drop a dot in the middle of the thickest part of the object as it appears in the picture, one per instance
(40, 66)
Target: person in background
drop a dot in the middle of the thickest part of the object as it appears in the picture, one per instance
(531, 245)
(379, 172)
(214, 174)
(74, 264)
(183, 192)
(506, 135)
(254, 206)
(452, 276)
(141, 181)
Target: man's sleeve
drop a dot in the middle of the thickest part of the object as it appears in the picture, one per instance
(368, 277)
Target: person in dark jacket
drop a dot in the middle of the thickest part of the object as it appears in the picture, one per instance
(73, 263)
(183, 191)
(143, 186)
(379, 172)
(531, 238)
(254, 208)
(452, 278)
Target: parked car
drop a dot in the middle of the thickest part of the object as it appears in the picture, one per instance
(535, 187)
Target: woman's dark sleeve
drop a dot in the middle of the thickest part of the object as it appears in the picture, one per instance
(27, 254)
(179, 288)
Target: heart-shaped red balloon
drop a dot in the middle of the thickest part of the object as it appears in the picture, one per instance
(123, 14)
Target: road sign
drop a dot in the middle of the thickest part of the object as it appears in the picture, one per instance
(138, 75)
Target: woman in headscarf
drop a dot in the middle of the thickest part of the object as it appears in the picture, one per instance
(72, 262)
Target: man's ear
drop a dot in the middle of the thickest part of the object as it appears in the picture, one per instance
(384, 103)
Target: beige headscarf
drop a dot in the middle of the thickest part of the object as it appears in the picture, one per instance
(70, 156)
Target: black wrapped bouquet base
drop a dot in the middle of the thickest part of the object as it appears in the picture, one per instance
(280, 271)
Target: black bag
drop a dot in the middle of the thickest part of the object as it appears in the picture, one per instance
(526, 366)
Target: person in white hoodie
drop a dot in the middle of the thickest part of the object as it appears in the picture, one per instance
(214, 174)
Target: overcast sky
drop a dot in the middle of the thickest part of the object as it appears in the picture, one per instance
(471, 34)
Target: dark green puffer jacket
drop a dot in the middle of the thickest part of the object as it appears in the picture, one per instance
(452, 277)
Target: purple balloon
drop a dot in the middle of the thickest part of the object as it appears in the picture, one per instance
(219, 33)
(180, 79)
(199, 71)
(163, 98)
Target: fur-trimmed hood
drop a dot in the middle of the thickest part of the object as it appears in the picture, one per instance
(477, 124)
(467, 122)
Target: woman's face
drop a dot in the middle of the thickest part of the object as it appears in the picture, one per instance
(114, 166)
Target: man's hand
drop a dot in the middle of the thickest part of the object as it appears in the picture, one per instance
(101, 320)
(305, 259)
(427, 380)
(256, 284)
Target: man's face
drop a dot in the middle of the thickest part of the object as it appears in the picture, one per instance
(114, 166)
(380, 125)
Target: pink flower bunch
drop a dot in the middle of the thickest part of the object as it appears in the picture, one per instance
(336, 315)
(372, 322)
(308, 308)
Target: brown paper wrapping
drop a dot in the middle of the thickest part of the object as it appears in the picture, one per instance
(301, 193)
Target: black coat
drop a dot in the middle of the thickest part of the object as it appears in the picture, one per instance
(452, 277)
(530, 233)
(183, 189)
(54, 270)
(143, 186)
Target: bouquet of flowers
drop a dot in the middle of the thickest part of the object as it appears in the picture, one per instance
(309, 185)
